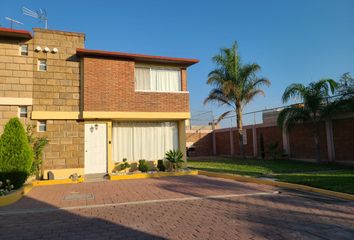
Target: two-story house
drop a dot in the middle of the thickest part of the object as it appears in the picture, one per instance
(95, 107)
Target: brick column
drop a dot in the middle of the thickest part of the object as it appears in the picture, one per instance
(182, 138)
(232, 151)
(330, 141)
(286, 144)
(254, 137)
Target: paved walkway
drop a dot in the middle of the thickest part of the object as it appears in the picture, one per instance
(189, 207)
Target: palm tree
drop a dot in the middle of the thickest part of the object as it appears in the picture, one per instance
(314, 109)
(235, 85)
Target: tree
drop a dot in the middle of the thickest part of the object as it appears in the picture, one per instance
(344, 101)
(314, 109)
(235, 85)
(16, 156)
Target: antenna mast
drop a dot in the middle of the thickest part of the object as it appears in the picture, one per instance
(12, 21)
(40, 14)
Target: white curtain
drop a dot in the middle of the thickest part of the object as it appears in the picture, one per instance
(142, 79)
(143, 140)
(158, 79)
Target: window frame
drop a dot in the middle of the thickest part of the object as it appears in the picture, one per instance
(39, 122)
(20, 112)
(159, 68)
(39, 65)
(20, 49)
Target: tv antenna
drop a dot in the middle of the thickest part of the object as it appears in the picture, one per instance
(12, 21)
(39, 14)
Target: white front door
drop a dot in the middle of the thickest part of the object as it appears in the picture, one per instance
(95, 148)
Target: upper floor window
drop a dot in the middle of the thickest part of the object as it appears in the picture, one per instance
(24, 49)
(22, 111)
(157, 79)
(42, 65)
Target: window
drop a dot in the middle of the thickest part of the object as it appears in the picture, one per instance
(143, 140)
(42, 126)
(157, 79)
(42, 65)
(24, 50)
(22, 112)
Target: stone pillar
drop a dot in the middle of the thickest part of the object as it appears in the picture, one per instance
(232, 151)
(286, 143)
(330, 141)
(255, 145)
(182, 138)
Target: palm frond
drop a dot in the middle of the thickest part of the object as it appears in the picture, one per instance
(288, 117)
(218, 96)
(293, 91)
(222, 116)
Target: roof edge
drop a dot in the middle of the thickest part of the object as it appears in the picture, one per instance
(134, 56)
(15, 33)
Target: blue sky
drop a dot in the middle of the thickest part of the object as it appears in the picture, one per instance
(293, 40)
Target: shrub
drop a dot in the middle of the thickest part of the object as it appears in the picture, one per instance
(143, 166)
(16, 156)
(274, 151)
(124, 165)
(175, 157)
(160, 165)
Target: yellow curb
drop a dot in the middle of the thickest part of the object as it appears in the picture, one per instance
(151, 175)
(57, 181)
(240, 178)
(15, 195)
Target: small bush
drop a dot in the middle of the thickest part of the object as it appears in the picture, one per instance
(16, 155)
(175, 157)
(160, 165)
(143, 166)
(124, 165)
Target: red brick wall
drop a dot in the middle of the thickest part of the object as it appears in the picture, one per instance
(222, 142)
(270, 135)
(343, 136)
(109, 86)
(302, 143)
(203, 143)
(248, 147)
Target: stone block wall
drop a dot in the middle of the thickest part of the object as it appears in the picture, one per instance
(66, 144)
(16, 71)
(58, 88)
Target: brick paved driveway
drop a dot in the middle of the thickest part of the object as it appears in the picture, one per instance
(190, 207)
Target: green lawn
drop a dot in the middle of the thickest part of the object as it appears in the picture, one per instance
(332, 176)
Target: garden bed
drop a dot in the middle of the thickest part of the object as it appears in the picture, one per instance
(152, 174)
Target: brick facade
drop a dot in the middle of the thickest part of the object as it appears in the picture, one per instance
(109, 86)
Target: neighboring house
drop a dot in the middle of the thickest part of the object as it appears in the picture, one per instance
(95, 107)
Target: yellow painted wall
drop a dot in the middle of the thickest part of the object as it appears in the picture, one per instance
(63, 173)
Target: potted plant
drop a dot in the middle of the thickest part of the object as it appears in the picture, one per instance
(175, 157)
